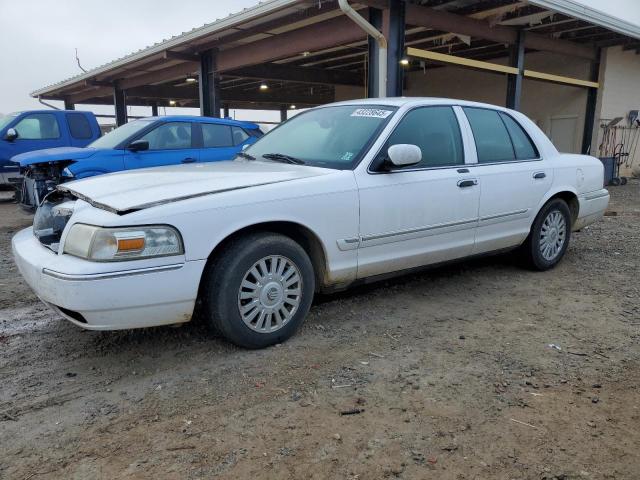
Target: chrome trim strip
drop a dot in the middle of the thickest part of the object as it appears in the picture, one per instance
(348, 243)
(102, 276)
(502, 215)
(595, 195)
(369, 238)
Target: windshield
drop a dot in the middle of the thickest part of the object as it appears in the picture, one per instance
(120, 134)
(331, 137)
(7, 119)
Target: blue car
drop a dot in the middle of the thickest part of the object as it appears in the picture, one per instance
(148, 142)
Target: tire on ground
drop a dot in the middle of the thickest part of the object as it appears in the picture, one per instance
(223, 278)
(531, 249)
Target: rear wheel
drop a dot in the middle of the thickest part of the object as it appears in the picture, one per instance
(549, 237)
(259, 290)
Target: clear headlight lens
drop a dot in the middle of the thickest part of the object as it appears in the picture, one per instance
(125, 243)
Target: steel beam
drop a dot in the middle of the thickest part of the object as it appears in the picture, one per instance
(154, 109)
(393, 27)
(590, 114)
(68, 105)
(274, 71)
(120, 104)
(162, 93)
(160, 76)
(375, 18)
(514, 82)
(450, 22)
(318, 36)
(209, 85)
(283, 113)
(185, 57)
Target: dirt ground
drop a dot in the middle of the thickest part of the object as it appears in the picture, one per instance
(451, 371)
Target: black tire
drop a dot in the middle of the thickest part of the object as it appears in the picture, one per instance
(222, 283)
(531, 251)
(615, 181)
(623, 180)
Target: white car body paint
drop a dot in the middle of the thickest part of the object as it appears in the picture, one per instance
(368, 223)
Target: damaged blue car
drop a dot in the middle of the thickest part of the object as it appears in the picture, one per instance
(143, 143)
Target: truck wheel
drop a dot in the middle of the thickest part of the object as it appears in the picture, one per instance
(549, 237)
(258, 290)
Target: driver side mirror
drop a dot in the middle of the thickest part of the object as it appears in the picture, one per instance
(404, 154)
(138, 146)
(11, 134)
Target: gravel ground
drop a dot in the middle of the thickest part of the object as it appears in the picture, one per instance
(447, 374)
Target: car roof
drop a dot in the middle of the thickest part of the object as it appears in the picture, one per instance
(198, 119)
(415, 101)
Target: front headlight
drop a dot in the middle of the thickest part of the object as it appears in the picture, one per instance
(122, 243)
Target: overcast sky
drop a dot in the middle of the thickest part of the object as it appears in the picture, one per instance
(39, 37)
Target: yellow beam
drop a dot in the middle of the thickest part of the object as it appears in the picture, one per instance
(463, 62)
(560, 79)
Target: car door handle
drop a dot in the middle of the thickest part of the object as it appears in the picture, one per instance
(463, 170)
(539, 175)
(467, 183)
(188, 160)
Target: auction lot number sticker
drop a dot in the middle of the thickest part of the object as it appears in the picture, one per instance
(371, 113)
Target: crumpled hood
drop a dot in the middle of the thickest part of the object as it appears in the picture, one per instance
(124, 192)
(53, 155)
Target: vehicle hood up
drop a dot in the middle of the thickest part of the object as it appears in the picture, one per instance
(53, 155)
(126, 192)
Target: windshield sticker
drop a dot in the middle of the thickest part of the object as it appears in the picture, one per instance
(371, 113)
(347, 156)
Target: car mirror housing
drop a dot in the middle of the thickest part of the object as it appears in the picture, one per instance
(138, 146)
(404, 154)
(11, 134)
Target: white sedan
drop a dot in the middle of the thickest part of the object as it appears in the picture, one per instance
(336, 195)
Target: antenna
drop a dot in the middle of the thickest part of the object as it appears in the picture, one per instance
(78, 61)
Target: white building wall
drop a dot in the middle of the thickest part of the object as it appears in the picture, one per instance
(619, 92)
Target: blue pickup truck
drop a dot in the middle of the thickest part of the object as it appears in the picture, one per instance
(147, 142)
(39, 129)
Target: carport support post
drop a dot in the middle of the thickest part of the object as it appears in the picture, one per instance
(68, 105)
(154, 109)
(225, 110)
(393, 26)
(283, 113)
(209, 85)
(120, 104)
(514, 81)
(590, 114)
(375, 19)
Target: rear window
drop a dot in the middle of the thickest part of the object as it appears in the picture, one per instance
(79, 126)
(214, 135)
(522, 144)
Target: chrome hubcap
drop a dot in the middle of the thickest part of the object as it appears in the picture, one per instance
(270, 294)
(552, 235)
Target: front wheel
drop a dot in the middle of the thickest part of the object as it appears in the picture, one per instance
(258, 290)
(549, 237)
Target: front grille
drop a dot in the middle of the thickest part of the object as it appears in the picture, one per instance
(51, 218)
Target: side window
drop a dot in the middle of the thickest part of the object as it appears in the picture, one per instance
(38, 126)
(215, 135)
(239, 135)
(79, 126)
(169, 136)
(493, 142)
(524, 148)
(435, 130)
